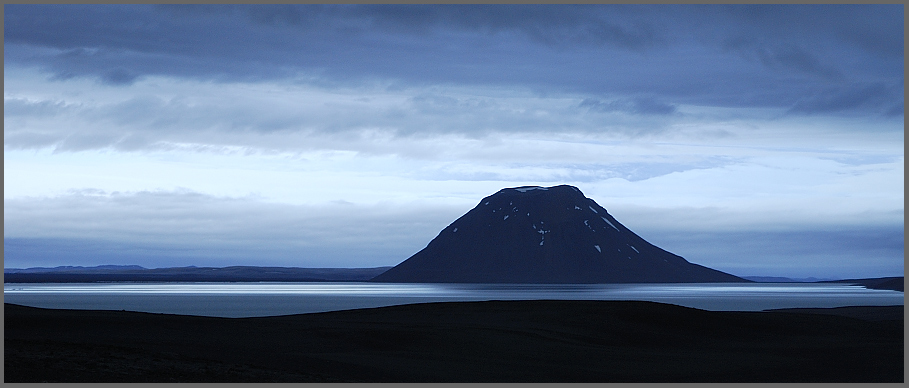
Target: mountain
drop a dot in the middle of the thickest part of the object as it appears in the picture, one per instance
(535, 234)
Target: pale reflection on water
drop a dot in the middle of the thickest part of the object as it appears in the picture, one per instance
(265, 299)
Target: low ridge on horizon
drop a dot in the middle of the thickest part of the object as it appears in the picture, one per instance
(534, 234)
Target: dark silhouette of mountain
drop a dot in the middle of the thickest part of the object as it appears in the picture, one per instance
(134, 273)
(537, 234)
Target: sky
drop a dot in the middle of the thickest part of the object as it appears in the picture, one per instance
(756, 140)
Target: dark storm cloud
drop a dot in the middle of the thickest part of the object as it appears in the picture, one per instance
(642, 106)
(876, 30)
(546, 24)
(874, 97)
(788, 57)
(118, 76)
(722, 55)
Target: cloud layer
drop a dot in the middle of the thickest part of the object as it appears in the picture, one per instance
(273, 134)
(775, 56)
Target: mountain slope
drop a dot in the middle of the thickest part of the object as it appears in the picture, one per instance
(537, 234)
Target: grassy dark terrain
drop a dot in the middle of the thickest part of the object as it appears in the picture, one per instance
(496, 341)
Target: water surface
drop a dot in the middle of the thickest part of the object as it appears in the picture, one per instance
(267, 299)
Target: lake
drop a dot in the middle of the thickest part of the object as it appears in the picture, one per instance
(268, 299)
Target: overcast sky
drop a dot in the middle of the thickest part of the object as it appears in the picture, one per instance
(756, 140)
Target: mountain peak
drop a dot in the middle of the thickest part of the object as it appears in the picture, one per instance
(534, 234)
(539, 189)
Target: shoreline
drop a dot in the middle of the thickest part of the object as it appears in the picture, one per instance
(250, 274)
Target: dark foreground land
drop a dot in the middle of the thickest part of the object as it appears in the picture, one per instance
(497, 341)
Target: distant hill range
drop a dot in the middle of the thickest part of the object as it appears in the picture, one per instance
(780, 279)
(894, 283)
(134, 273)
(535, 234)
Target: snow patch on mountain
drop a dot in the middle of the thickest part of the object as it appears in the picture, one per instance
(542, 235)
(526, 189)
(610, 224)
